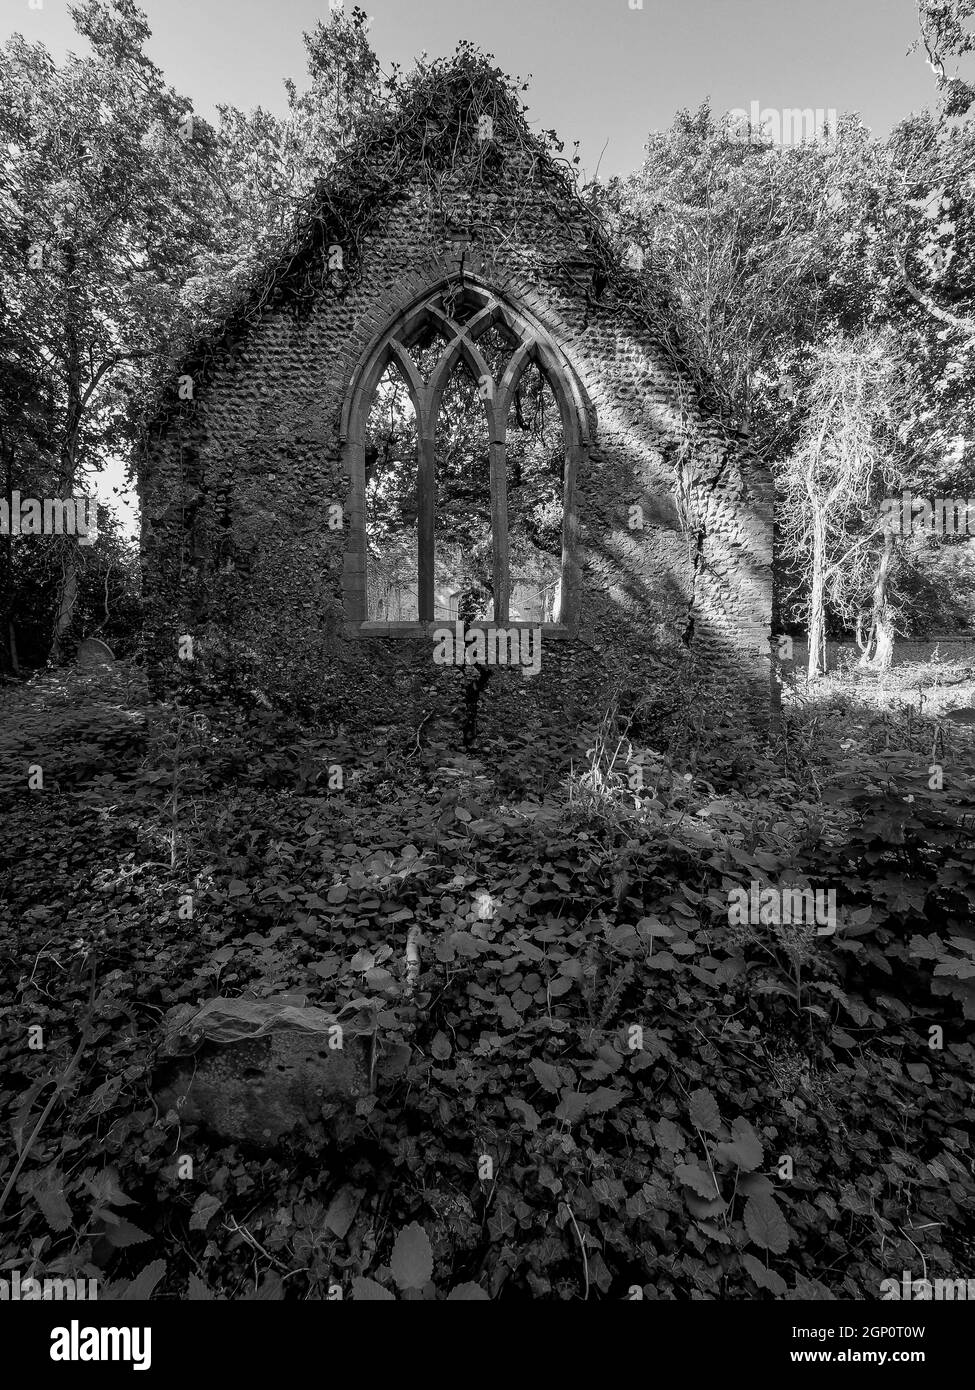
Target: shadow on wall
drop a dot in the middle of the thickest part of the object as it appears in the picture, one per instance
(650, 603)
(634, 631)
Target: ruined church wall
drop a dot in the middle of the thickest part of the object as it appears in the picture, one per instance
(237, 483)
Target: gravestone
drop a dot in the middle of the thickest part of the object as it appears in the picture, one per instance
(94, 652)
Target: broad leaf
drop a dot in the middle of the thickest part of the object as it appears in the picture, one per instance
(766, 1224)
(123, 1234)
(602, 1099)
(745, 1150)
(572, 1106)
(204, 1210)
(765, 1278)
(53, 1204)
(411, 1262)
(197, 1291)
(704, 1112)
(368, 1291)
(139, 1289)
(342, 1209)
(528, 1116)
(668, 1136)
(695, 1177)
(546, 1075)
(270, 1290)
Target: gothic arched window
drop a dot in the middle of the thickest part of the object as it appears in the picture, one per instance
(464, 427)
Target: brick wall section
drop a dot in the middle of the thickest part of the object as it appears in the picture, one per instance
(249, 466)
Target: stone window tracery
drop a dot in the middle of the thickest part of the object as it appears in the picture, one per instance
(462, 336)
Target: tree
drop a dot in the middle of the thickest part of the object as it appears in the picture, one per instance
(946, 33)
(268, 166)
(769, 254)
(131, 225)
(832, 487)
(105, 199)
(746, 238)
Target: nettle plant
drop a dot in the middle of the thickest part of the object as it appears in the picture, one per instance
(411, 1270)
(908, 851)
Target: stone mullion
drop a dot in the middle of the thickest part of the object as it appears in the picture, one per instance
(426, 507)
(499, 521)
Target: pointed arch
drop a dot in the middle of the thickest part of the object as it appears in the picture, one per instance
(438, 309)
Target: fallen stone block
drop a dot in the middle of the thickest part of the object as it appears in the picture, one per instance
(262, 1069)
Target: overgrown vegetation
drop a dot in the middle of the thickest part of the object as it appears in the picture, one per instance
(639, 1071)
(761, 273)
(593, 1081)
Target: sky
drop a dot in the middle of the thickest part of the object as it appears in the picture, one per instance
(602, 72)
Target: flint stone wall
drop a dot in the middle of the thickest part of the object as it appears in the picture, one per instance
(236, 485)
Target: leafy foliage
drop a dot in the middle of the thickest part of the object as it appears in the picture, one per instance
(598, 1082)
(599, 1085)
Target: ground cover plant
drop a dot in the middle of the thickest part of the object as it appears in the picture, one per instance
(330, 973)
(596, 1086)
